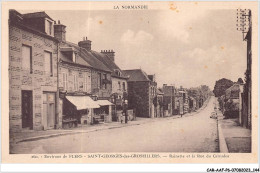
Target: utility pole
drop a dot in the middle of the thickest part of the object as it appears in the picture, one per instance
(244, 24)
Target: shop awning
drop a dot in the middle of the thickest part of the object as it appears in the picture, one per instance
(83, 102)
(104, 102)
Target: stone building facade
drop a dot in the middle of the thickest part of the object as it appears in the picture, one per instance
(101, 82)
(169, 99)
(81, 74)
(182, 100)
(160, 104)
(141, 93)
(33, 58)
(74, 78)
(118, 81)
(119, 86)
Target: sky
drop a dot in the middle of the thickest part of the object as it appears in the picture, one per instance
(184, 47)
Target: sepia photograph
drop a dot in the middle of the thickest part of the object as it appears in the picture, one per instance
(143, 78)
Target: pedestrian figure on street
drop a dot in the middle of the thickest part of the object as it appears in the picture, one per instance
(121, 117)
(125, 110)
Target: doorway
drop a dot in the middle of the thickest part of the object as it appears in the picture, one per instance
(27, 118)
(48, 110)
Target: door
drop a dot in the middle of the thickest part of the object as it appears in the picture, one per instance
(48, 110)
(152, 111)
(27, 119)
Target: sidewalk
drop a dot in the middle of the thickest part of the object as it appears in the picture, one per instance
(31, 135)
(232, 137)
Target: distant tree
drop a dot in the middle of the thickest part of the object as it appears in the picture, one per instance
(135, 102)
(221, 86)
(200, 94)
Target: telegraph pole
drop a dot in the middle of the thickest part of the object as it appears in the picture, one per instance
(244, 24)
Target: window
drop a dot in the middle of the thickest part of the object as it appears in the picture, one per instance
(105, 84)
(89, 83)
(119, 85)
(86, 83)
(80, 75)
(123, 86)
(99, 80)
(73, 57)
(27, 58)
(65, 81)
(48, 63)
(118, 73)
(48, 27)
(75, 82)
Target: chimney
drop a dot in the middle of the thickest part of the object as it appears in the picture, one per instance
(60, 31)
(110, 54)
(86, 44)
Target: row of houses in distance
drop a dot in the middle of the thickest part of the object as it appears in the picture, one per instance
(54, 83)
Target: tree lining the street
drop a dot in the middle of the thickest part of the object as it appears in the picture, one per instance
(221, 85)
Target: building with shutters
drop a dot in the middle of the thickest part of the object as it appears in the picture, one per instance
(82, 76)
(33, 55)
(119, 82)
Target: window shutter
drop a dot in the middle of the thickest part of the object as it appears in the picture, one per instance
(47, 63)
(26, 55)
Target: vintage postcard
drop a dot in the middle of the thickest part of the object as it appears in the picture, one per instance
(129, 82)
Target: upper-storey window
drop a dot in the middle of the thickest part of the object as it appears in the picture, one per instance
(124, 89)
(105, 84)
(99, 80)
(119, 85)
(74, 57)
(75, 78)
(49, 27)
(65, 81)
(86, 82)
(27, 58)
(118, 73)
(48, 63)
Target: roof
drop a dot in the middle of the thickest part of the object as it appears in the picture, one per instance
(17, 20)
(169, 90)
(159, 91)
(109, 63)
(37, 15)
(66, 52)
(233, 91)
(136, 75)
(151, 77)
(88, 57)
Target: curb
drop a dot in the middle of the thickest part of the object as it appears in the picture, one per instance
(94, 130)
(222, 142)
(71, 133)
(45, 136)
(221, 138)
(83, 131)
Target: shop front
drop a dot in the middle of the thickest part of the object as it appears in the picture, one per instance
(103, 114)
(78, 110)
